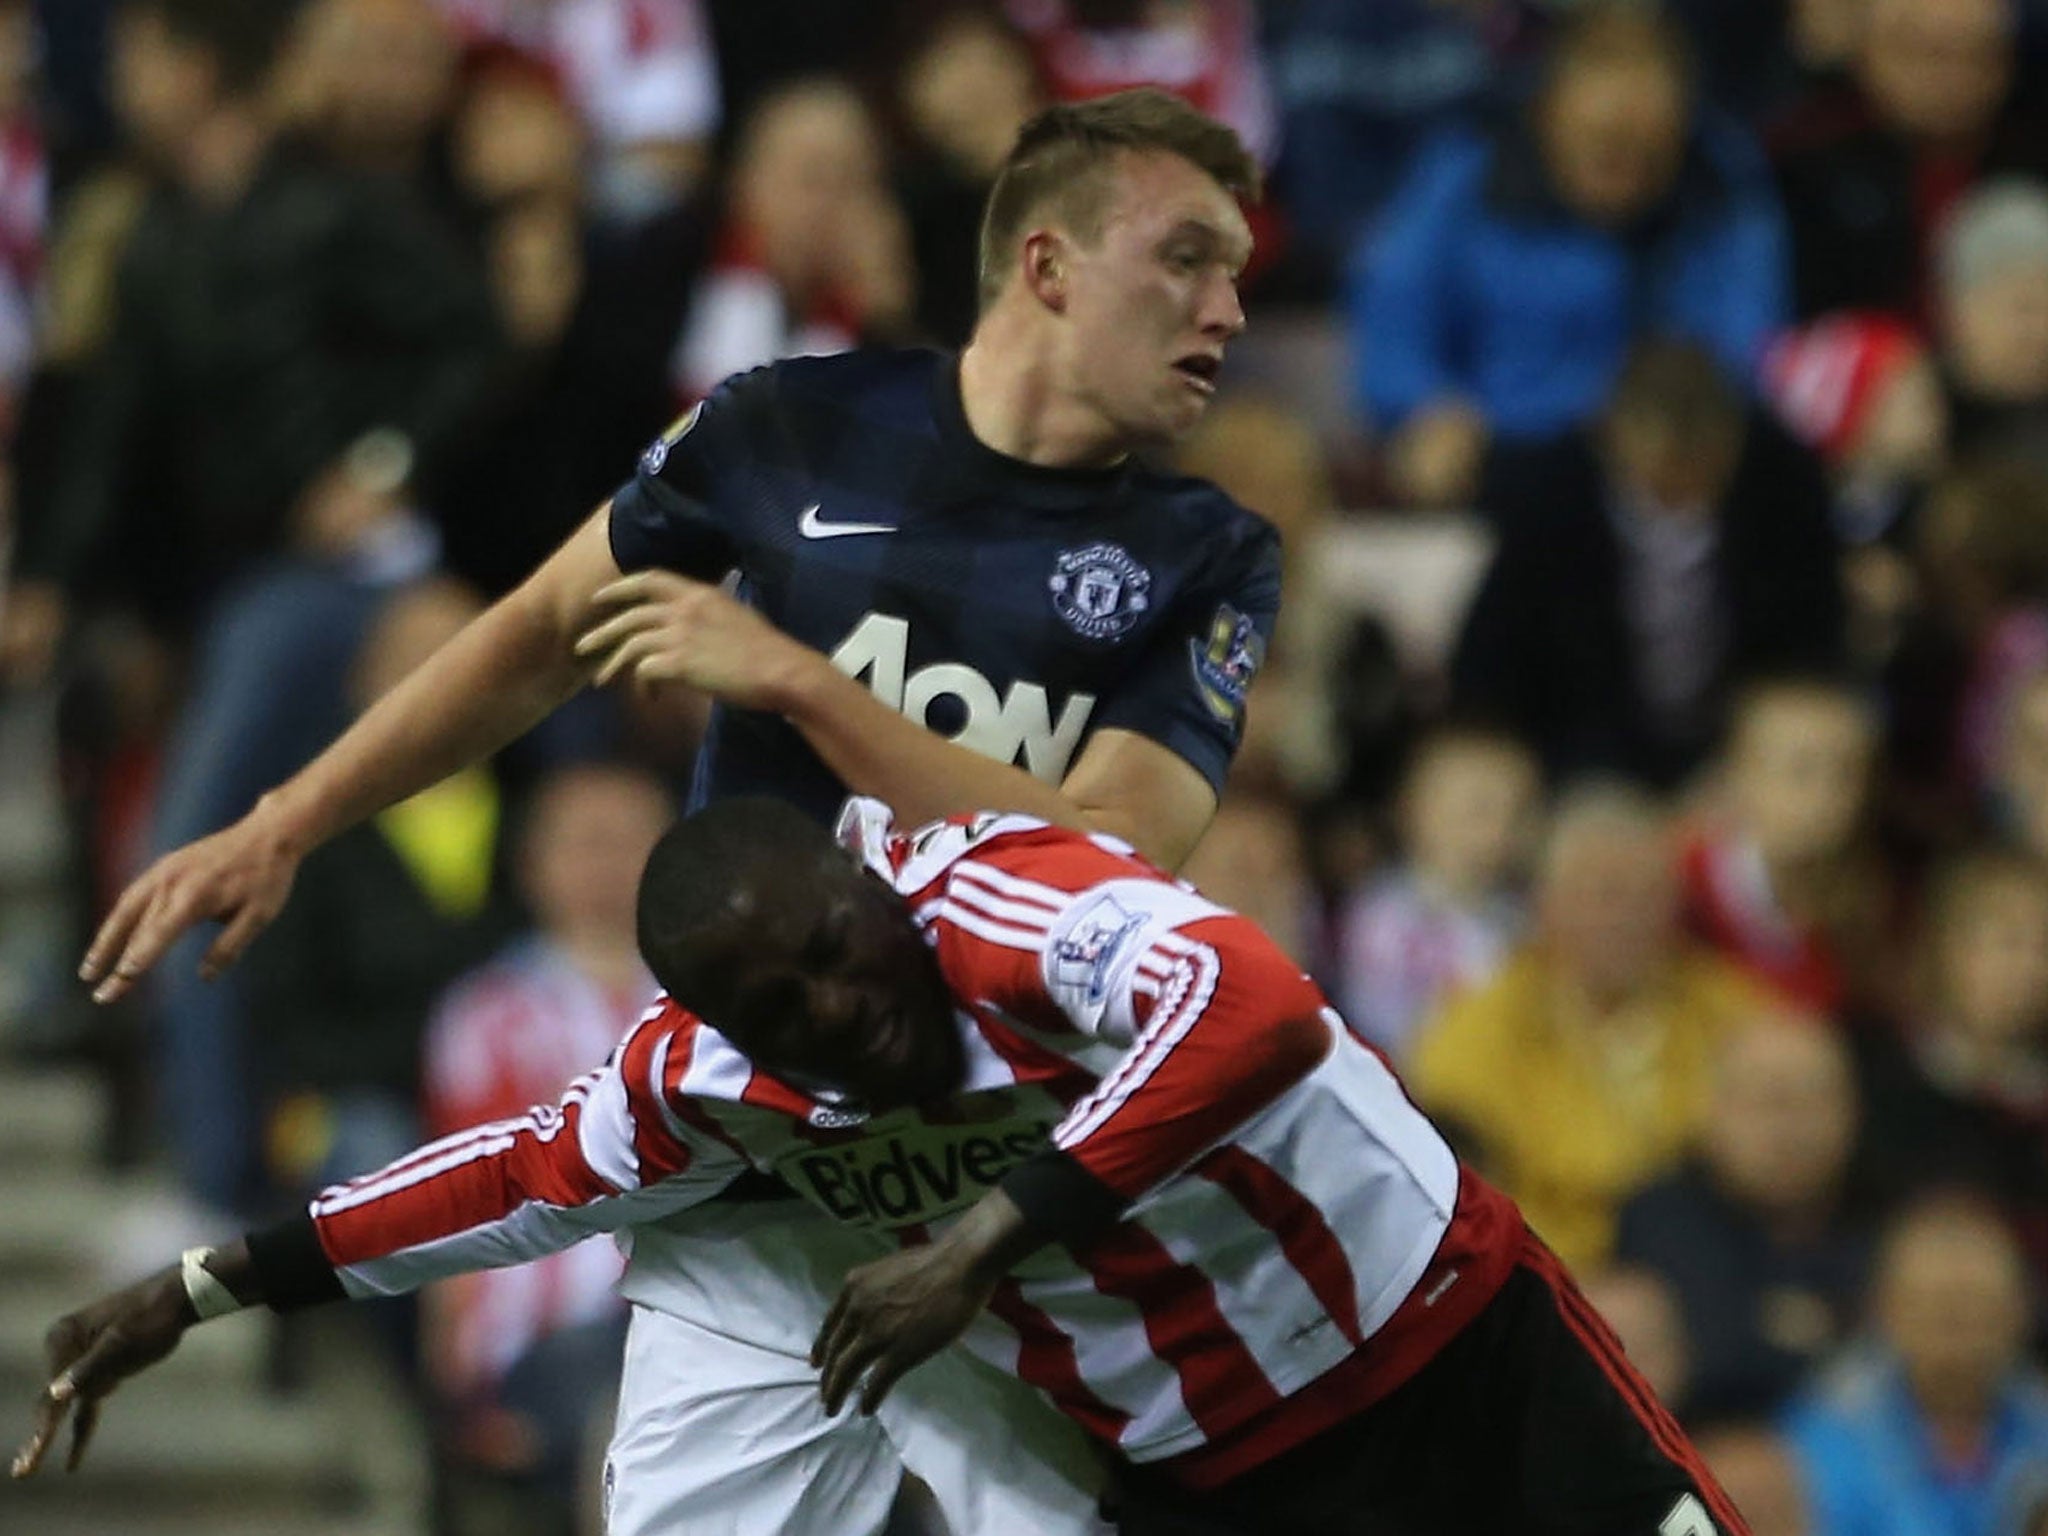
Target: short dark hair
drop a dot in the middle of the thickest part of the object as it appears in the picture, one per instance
(244, 36)
(1060, 154)
(712, 869)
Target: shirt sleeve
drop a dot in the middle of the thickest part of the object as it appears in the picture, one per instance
(1209, 1021)
(622, 1147)
(1188, 692)
(1216, 1023)
(673, 513)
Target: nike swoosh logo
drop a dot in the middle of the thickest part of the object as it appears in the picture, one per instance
(811, 527)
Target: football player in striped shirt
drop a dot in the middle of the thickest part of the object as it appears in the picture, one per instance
(1133, 1157)
(957, 586)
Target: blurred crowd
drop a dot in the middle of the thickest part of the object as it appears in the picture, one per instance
(1698, 884)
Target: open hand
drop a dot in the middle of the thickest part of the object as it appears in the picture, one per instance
(94, 1350)
(893, 1314)
(240, 876)
(658, 627)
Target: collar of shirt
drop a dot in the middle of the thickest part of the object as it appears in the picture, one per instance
(974, 472)
(1671, 538)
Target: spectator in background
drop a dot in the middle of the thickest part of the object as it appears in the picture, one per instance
(1361, 88)
(813, 254)
(640, 75)
(963, 90)
(1957, 1092)
(2017, 805)
(1993, 271)
(1984, 560)
(1871, 174)
(1940, 1425)
(582, 382)
(1646, 564)
(521, 1359)
(1644, 1314)
(1751, 1233)
(1582, 1071)
(1251, 860)
(24, 209)
(1863, 391)
(1763, 58)
(1778, 874)
(257, 467)
(1265, 455)
(513, 135)
(1501, 292)
(1756, 1467)
(1445, 916)
(373, 82)
(1204, 51)
(382, 919)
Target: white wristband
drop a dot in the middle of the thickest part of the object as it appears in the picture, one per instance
(209, 1297)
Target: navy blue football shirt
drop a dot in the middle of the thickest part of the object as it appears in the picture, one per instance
(1013, 608)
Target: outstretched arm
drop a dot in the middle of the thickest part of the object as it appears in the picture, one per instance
(495, 680)
(621, 1147)
(666, 628)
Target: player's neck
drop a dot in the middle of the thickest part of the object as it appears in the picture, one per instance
(1012, 405)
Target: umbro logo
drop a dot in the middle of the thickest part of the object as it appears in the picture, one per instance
(811, 526)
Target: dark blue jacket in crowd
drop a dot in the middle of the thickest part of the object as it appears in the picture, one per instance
(1479, 284)
(1361, 87)
(1760, 1309)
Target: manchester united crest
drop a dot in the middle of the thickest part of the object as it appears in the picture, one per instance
(1100, 590)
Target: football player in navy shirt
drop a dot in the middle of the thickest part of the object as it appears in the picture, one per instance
(955, 589)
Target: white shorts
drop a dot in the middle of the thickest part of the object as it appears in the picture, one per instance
(720, 1437)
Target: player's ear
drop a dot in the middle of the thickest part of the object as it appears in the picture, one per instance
(1045, 268)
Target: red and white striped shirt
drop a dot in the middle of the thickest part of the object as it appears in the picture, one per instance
(1300, 1239)
(502, 1036)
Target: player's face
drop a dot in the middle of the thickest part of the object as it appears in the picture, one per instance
(842, 991)
(1153, 302)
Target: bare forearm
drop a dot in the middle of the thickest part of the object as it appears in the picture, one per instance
(921, 776)
(994, 1237)
(490, 684)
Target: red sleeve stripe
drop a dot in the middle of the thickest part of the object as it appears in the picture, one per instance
(680, 1108)
(543, 1123)
(765, 1092)
(485, 1192)
(658, 1139)
(1059, 1075)
(1035, 902)
(968, 921)
(1180, 1007)
(1018, 914)
(436, 1148)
